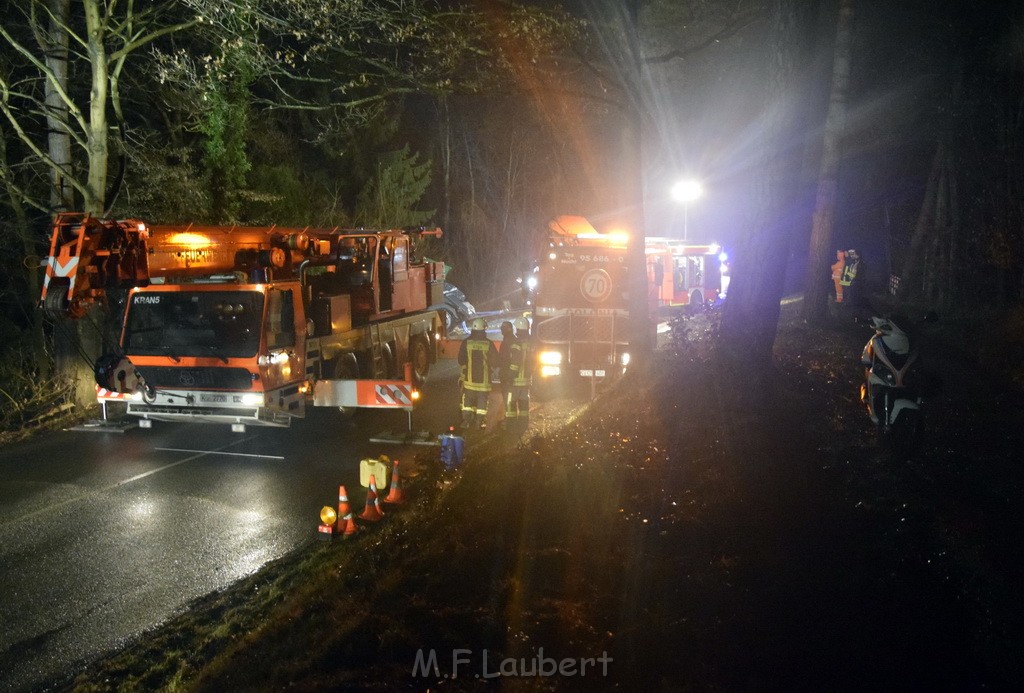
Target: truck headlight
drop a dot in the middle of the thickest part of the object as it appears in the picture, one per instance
(550, 358)
(251, 399)
(624, 358)
(548, 371)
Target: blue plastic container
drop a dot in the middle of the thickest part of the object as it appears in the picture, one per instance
(451, 450)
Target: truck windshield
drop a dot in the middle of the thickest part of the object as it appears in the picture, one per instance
(224, 324)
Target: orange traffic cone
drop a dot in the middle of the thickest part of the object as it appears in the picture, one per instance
(350, 526)
(372, 512)
(342, 502)
(396, 494)
(344, 512)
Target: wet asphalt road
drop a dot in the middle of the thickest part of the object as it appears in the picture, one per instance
(104, 535)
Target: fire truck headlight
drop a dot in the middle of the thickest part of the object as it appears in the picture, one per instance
(548, 371)
(624, 358)
(550, 358)
(251, 399)
(531, 282)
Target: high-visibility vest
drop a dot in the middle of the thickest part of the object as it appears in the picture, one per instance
(849, 273)
(519, 363)
(476, 371)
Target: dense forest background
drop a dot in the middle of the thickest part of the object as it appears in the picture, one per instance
(490, 118)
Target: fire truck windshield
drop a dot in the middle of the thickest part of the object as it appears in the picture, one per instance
(224, 324)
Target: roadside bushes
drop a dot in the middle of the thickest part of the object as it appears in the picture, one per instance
(28, 399)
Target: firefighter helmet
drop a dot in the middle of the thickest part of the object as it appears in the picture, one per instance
(478, 324)
(522, 324)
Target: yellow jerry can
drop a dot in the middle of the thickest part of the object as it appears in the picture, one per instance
(377, 468)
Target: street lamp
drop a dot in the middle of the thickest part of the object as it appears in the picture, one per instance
(687, 191)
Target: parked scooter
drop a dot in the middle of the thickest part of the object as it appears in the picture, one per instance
(889, 391)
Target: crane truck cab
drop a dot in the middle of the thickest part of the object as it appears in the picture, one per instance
(249, 325)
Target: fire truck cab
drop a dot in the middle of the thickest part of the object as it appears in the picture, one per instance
(580, 306)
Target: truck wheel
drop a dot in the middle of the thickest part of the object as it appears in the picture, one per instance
(388, 363)
(451, 319)
(345, 368)
(696, 303)
(420, 357)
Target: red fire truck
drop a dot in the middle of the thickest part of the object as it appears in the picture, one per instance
(684, 276)
(580, 306)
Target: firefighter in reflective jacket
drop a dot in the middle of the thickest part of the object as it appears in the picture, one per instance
(517, 399)
(477, 356)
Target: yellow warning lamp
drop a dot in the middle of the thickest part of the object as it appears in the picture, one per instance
(328, 516)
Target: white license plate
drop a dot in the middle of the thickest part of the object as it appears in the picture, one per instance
(589, 372)
(213, 398)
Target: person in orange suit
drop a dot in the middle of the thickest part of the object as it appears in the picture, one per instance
(837, 274)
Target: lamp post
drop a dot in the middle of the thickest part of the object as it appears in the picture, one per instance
(687, 191)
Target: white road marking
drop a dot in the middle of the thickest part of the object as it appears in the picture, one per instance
(123, 482)
(218, 452)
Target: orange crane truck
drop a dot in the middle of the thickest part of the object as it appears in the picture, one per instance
(248, 325)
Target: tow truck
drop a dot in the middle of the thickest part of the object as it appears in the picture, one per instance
(249, 325)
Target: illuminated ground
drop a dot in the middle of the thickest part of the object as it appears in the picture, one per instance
(698, 529)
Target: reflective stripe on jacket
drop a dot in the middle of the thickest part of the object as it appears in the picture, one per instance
(475, 357)
(519, 363)
(849, 274)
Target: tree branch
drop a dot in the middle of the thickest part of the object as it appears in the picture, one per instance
(736, 23)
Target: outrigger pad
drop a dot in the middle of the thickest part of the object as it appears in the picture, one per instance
(101, 426)
(405, 438)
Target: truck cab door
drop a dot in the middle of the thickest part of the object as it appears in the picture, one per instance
(386, 275)
(402, 293)
(285, 338)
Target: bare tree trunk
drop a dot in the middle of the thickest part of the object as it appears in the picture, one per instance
(641, 342)
(953, 254)
(446, 162)
(913, 273)
(818, 277)
(751, 315)
(98, 146)
(54, 44)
